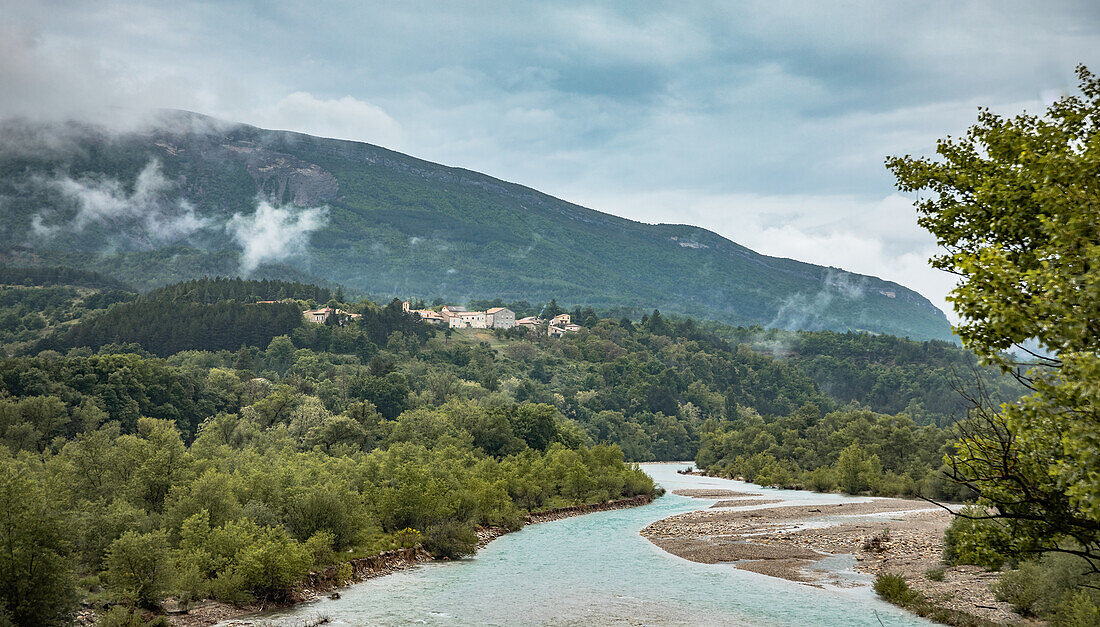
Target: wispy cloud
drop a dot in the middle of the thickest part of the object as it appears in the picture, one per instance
(105, 200)
(274, 233)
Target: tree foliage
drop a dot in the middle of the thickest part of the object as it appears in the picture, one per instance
(1016, 205)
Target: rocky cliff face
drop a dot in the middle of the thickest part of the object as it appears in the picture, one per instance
(280, 177)
(283, 178)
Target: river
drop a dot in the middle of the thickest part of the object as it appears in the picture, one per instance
(596, 569)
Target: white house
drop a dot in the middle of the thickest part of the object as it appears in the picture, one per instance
(530, 322)
(558, 331)
(429, 316)
(561, 320)
(465, 319)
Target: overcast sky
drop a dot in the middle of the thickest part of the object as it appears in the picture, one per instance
(767, 122)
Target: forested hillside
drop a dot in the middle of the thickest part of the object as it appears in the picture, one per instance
(190, 198)
(208, 432)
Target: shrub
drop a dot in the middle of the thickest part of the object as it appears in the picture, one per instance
(894, 589)
(1024, 588)
(1046, 587)
(934, 574)
(450, 539)
(973, 541)
(407, 538)
(326, 509)
(319, 547)
(821, 479)
(127, 617)
(138, 568)
(1077, 609)
(344, 573)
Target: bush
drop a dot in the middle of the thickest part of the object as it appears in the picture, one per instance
(934, 574)
(407, 538)
(894, 589)
(319, 547)
(1049, 588)
(1077, 609)
(450, 540)
(1024, 588)
(821, 479)
(138, 569)
(128, 617)
(972, 541)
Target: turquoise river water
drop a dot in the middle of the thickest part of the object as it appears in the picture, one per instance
(597, 570)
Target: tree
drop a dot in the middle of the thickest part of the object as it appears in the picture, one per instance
(551, 309)
(36, 585)
(138, 568)
(856, 471)
(1016, 206)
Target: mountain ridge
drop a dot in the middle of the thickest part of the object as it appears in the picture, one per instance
(386, 223)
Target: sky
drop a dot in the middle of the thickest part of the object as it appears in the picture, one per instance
(766, 122)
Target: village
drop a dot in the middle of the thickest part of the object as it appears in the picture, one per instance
(456, 317)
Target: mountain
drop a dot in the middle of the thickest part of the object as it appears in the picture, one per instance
(192, 196)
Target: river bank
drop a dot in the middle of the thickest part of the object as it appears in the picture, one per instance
(801, 543)
(321, 583)
(316, 585)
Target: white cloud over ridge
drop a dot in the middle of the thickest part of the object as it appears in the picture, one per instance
(272, 234)
(338, 118)
(866, 235)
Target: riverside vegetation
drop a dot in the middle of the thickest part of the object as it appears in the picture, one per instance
(145, 459)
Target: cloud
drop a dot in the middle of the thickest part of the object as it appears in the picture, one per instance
(274, 233)
(340, 118)
(106, 201)
(766, 122)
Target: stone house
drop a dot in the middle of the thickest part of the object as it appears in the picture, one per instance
(500, 318)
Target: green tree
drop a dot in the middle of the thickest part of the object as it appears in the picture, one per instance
(36, 585)
(551, 309)
(1015, 204)
(856, 470)
(138, 568)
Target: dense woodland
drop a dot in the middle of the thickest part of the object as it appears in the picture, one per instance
(237, 446)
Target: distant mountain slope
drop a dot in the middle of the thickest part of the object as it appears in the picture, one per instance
(198, 196)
